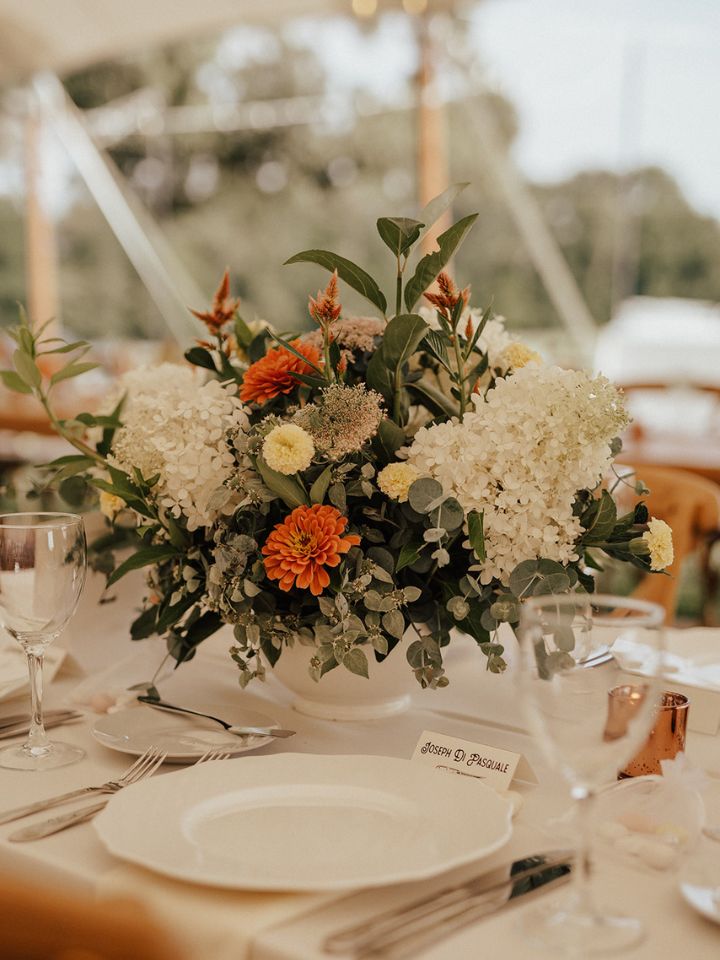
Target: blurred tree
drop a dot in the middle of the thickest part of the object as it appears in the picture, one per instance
(250, 198)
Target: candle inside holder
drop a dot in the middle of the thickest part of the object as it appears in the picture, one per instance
(667, 737)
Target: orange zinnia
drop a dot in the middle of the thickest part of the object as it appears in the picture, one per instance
(271, 374)
(308, 540)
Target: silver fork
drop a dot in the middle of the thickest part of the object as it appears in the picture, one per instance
(56, 824)
(213, 754)
(131, 775)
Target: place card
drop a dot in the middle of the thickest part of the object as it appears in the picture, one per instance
(498, 768)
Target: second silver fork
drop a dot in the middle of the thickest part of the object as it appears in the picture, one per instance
(131, 775)
(153, 759)
(56, 824)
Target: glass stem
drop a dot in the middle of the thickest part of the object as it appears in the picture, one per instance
(584, 806)
(37, 741)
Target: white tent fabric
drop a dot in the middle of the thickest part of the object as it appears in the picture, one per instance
(64, 35)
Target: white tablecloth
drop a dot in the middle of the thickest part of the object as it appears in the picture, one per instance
(219, 925)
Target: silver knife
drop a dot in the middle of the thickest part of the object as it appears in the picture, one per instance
(23, 727)
(409, 942)
(452, 898)
(56, 824)
(12, 719)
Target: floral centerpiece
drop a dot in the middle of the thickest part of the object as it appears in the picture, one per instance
(416, 468)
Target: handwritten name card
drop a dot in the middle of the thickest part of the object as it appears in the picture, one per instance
(496, 767)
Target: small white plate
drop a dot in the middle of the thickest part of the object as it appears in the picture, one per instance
(700, 883)
(185, 738)
(304, 822)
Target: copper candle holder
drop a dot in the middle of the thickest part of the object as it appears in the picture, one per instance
(667, 737)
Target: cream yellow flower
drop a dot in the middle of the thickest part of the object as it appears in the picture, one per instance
(396, 479)
(659, 540)
(517, 355)
(110, 505)
(288, 448)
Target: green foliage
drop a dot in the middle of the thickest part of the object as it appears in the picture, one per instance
(432, 263)
(348, 271)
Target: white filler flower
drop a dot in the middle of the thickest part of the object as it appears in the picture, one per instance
(660, 543)
(536, 439)
(175, 426)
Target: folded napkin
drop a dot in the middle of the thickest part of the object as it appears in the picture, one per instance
(14, 671)
(209, 922)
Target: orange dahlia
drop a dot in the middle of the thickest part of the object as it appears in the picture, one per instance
(308, 540)
(271, 374)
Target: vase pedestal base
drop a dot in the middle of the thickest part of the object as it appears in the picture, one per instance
(325, 710)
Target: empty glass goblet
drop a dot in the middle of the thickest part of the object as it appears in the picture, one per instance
(42, 571)
(567, 673)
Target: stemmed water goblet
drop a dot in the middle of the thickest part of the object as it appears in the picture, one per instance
(589, 723)
(42, 571)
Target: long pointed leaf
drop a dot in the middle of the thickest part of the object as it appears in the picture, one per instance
(348, 271)
(431, 264)
(433, 210)
(142, 558)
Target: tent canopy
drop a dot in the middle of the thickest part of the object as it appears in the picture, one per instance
(67, 35)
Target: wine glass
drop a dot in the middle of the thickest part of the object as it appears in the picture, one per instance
(42, 572)
(589, 723)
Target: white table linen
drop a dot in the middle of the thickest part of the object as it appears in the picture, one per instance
(221, 924)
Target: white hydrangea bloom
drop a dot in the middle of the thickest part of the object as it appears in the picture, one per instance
(175, 425)
(521, 456)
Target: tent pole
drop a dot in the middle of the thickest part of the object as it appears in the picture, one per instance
(41, 262)
(167, 281)
(432, 136)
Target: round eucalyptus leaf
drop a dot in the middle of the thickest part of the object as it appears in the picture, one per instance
(423, 493)
(449, 515)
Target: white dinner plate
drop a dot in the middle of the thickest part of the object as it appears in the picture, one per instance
(304, 822)
(184, 737)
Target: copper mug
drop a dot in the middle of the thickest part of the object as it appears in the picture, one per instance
(667, 737)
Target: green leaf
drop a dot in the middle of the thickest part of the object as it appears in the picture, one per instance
(436, 344)
(74, 490)
(409, 553)
(356, 662)
(394, 623)
(400, 340)
(435, 400)
(337, 496)
(348, 271)
(399, 233)
(287, 488)
(72, 370)
(307, 380)
(436, 207)
(526, 575)
(243, 333)
(390, 437)
(431, 264)
(27, 368)
(320, 486)
(67, 347)
(423, 493)
(200, 357)
(143, 558)
(449, 515)
(13, 381)
(599, 520)
(476, 534)
(286, 345)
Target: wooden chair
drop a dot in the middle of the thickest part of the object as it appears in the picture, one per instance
(39, 923)
(691, 505)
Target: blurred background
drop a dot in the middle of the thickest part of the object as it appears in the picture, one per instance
(144, 147)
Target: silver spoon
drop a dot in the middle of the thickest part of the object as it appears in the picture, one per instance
(231, 728)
